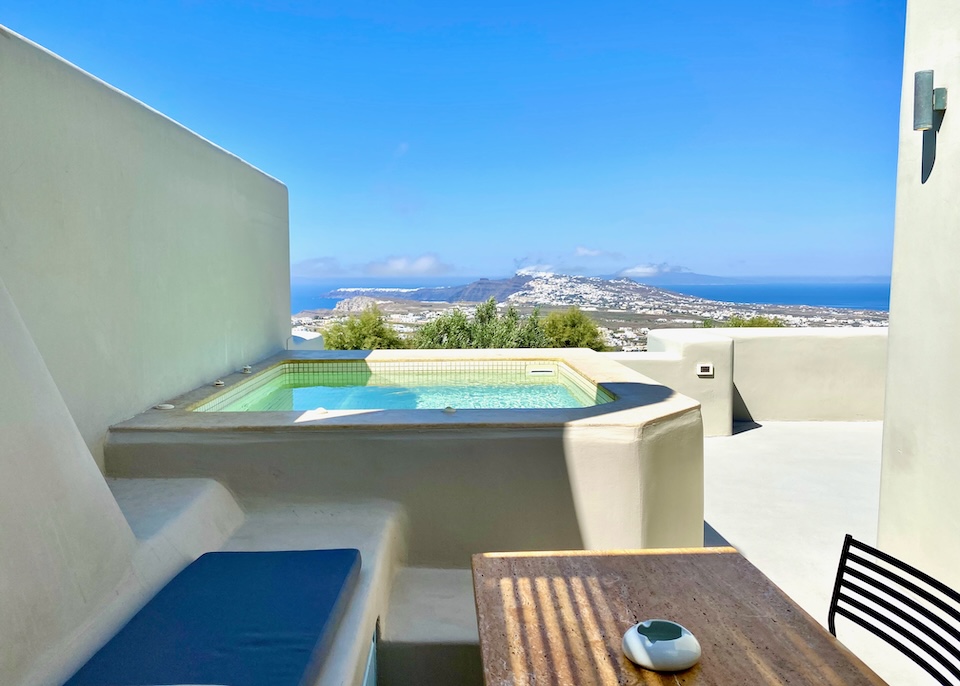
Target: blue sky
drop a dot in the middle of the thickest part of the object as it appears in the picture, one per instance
(438, 139)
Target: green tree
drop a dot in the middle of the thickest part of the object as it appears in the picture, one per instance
(368, 331)
(531, 333)
(449, 330)
(487, 329)
(572, 329)
(757, 320)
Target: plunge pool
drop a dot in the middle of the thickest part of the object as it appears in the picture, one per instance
(363, 385)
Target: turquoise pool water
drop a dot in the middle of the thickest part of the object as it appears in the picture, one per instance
(360, 386)
(416, 397)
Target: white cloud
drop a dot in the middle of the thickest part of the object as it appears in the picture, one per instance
(427, 264)
(595, 253)
(641, 270)
(581, 251)
(317, 267)
(534, 269)
(424, 265)
(646, 270)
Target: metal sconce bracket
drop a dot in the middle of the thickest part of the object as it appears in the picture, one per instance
(939, 99)
(926, 100)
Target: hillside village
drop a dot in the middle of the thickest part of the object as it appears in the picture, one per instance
(624, 309)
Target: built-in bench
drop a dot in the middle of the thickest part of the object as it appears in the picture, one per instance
(238, 618)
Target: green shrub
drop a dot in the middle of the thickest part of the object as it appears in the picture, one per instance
(572, 329)
(487, 329)
(368, 331)
(757, 320)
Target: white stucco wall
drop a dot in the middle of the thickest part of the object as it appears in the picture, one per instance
(808, 374)
(919, 507)
(71, 571)
(143, 259)
(64, 545)
(672, 358)
(815, 374)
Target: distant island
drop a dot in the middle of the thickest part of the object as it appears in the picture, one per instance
(667, 275)
(625, 309)
(474, 292)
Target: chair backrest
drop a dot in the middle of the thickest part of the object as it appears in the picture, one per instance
(908, 609)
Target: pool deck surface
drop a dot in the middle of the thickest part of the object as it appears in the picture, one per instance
(785, 494)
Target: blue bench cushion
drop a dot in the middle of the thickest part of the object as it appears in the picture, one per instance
(242, 619)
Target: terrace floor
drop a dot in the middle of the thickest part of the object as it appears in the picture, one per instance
(785, 494)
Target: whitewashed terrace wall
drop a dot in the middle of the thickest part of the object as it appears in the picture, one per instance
(672, 357)
(788, 374)
(809, 374)
(143, 259)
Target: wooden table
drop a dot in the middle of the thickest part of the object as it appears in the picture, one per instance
(557, 619)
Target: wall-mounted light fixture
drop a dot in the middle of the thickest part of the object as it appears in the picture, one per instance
(926, 100)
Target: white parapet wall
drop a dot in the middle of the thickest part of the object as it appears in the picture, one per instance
(798, 374)
(144, 259)
(815, 374)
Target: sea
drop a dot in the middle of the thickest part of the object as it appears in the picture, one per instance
(858, 296)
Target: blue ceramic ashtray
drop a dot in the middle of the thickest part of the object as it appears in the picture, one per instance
(661, 645)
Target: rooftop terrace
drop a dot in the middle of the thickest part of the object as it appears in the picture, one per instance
(785, 494)
(140, 261)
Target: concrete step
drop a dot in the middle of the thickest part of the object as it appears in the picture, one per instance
(429, 633)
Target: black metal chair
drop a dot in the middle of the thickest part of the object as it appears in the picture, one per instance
(908, 609)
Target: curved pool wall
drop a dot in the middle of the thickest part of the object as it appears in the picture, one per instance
(624, 474)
